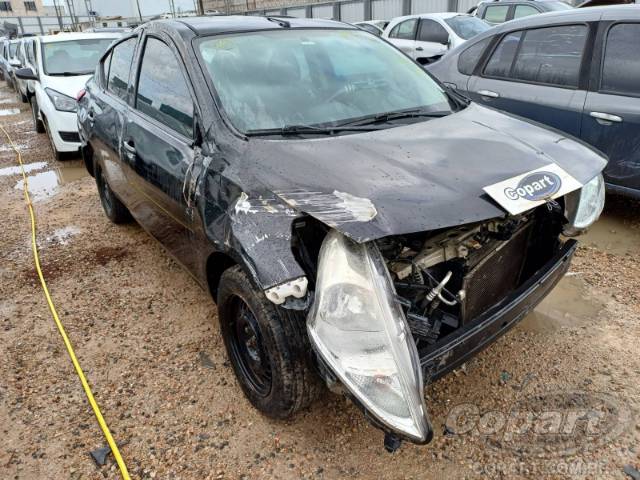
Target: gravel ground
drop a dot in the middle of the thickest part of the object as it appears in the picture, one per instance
(148, 340)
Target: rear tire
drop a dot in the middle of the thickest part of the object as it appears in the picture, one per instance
(113, 208)
(268, 347)
(35, 112)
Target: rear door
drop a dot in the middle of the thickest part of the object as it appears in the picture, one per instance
(431, 41)
(108, 111)
(403, 36)
(611, 119)
(158, 145)
(537, 73)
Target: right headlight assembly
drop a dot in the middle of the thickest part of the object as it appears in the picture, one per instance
(583, 207)
(360, 331)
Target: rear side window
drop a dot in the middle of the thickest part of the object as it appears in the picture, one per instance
(499, 64)
(405, 30)
(524, 11)
(496, 13)
(431, 31)
(621, 66)
(121, 57)
(468, 59)
(551, 55)
(162, 88)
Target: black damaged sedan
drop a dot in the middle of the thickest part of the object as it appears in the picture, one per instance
(356, 223)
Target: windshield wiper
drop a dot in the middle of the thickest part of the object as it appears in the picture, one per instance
(389, 116)
(309, 129)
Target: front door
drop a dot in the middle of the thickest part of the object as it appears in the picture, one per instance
(536, 74)
(158, 147)
(611, 119)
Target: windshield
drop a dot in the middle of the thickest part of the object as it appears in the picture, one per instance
(553, 6)
(467, 26)
(313, 77)
(13, 48)
(73, 57)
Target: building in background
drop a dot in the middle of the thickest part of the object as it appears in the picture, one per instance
(12, 8)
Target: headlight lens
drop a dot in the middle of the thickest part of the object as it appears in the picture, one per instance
(61, 101)
(360, 331)
(583, 207)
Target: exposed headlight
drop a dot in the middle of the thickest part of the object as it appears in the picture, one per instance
(360, 331)
(583, 207)
(61, 101)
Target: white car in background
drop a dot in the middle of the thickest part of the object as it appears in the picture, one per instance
(11, 61)
(63, 64)
(27, 58)
(428, 36)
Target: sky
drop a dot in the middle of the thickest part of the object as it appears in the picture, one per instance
(148, 7)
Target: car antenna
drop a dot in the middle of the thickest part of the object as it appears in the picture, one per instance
(279, 21)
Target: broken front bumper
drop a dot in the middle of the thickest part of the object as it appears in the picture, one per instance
(458, 347)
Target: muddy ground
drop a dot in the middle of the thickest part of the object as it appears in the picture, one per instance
(148, 340)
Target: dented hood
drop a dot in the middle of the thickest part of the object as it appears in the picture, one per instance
(417, 177)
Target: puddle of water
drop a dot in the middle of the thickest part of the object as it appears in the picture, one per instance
(568, 305)
(28, 167)
(43, 185)
(9, 111)
(612, 234)
(62, 235)
(9, 148)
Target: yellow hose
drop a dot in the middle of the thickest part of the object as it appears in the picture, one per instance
(63, 333)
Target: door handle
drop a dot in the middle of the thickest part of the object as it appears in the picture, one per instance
(488, 93)
(605, 118)
(419, 49)
(129, 148)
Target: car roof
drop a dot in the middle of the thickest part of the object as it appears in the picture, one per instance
(68, 36)
(591, 14)
(489, 2)
(441, 16)
(247, 23)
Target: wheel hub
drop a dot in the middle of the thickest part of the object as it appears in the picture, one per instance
(248, 349)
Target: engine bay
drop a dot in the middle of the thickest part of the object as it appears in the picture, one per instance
(445, 279)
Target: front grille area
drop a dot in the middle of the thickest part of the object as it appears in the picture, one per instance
(495, 276)
(70, 137)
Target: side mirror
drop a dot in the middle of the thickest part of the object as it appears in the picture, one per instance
(25, 74)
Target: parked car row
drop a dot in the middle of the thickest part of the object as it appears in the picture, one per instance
(47, 72)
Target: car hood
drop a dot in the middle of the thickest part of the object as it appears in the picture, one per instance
(417, 177)
(69, 86)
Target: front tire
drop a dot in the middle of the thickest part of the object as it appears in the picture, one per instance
(268, 347)
(59, 156)
(35, 112)
(113, 208)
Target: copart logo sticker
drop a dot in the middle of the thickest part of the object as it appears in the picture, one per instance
(537, 186)
(530, 189)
